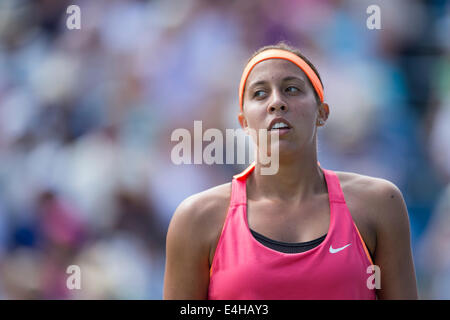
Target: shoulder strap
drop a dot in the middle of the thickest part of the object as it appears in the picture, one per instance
(334, 186)
(239, 186)
(244, 174)
(238, 192)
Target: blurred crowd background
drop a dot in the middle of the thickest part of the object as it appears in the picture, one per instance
(86, 117)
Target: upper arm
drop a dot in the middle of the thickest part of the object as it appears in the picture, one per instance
(393, 252)
(187, 250)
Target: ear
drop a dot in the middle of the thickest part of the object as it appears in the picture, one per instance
(324, 112)
(243, 121)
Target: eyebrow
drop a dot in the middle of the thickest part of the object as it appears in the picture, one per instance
(289, 78)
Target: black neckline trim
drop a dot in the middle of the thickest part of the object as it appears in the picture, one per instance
(288, 244)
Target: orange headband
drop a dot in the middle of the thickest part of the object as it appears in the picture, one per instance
(279, 54)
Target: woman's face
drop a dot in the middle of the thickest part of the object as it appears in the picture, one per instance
(278, 88)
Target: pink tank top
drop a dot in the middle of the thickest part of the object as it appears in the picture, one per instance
(245, 269)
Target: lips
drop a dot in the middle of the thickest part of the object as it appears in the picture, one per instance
(279, 120)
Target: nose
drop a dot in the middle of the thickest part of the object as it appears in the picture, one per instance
(277, 103)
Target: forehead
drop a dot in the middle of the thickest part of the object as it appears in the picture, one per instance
(274, 69)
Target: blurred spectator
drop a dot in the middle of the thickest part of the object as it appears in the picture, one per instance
(434, 252)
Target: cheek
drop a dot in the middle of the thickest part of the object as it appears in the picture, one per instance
(255, 118)
(305, 114)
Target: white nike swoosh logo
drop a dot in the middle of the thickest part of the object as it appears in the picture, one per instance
(338, 249)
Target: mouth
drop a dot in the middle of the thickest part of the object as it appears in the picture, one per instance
(281, 132)
(280, 125)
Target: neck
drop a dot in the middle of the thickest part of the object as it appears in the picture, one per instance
(298, 177)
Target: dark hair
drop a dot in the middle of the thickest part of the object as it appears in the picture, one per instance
(284, 46)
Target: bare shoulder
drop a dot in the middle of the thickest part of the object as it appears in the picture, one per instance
(365, 184)
(203, 207)
(200, 216)
(375, 197)
(188, 245)
(379, 207)
(374, 191)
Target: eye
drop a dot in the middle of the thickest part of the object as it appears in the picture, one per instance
(258, 93)
(292, 89)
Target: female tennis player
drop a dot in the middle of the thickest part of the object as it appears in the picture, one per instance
(302, 233)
